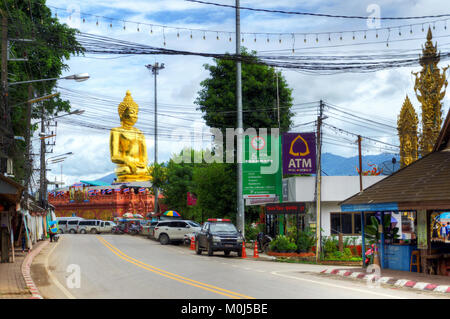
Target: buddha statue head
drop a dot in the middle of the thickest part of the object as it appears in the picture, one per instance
(128, 110)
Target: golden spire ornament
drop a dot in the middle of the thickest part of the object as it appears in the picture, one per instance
(407, 132)
(430, 86)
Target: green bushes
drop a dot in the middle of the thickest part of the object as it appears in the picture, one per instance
(331, 250)
(306, 240)
(283, 244)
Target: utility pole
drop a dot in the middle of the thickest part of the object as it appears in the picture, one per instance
(27, 139)
(4, 76)
(319, 181)
(240, 200)
(43, 175)
(360, 163)
(155, 68)
(278, 102)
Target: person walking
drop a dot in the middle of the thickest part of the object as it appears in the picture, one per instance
(24, 239)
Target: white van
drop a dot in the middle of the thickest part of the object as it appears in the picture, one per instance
(68, 224)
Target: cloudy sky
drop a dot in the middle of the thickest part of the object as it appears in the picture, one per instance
(376, 95)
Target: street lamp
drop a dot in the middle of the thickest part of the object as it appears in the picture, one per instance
(54, 159)
(155, 68)
(80, 77)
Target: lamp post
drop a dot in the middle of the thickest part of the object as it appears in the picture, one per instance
(80, 77)
(155, 68)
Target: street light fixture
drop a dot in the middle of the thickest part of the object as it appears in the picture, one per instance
(54, 159)
(80, 77)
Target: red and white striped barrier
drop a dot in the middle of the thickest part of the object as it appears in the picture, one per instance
(26, 270)
(389, 280)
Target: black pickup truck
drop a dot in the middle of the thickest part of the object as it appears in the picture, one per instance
(219, 235)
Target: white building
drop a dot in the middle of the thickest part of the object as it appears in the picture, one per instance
(334, 190)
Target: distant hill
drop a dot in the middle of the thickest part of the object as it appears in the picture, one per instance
(335, 165)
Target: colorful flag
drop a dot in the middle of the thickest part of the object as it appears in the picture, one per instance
(91, 192)
(109, 191)
(142, 190)
(191, 199)
(126, 190)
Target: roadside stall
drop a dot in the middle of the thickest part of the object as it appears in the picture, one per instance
(418, 193)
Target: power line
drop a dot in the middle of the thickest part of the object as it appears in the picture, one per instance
(321, 14)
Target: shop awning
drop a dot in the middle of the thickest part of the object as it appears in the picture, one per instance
(10, 190)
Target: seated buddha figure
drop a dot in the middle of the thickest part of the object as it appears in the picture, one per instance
(127, 144)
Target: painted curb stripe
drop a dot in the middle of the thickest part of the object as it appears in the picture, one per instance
(420, 285)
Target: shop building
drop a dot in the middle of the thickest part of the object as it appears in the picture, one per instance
(334, 190)
(420, 193)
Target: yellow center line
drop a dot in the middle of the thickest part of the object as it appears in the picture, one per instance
(172, 276)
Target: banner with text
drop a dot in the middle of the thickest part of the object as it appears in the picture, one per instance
(261, 167)
(299, 153)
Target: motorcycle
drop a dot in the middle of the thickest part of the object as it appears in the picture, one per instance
(134, 230)
(263, 242)
(117, 230)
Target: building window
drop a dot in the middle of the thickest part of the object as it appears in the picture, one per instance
(345, 223)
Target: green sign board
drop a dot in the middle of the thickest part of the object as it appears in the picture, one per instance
(262, 167)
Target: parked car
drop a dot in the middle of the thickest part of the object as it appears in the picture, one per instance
(106, 226)
(68, 224)
(219, 235)
(174, 230)
(92, 226)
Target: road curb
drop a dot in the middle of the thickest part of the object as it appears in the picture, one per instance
(26, 272)
(388, 280)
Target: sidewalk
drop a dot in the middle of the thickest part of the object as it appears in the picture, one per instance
(14, 282)
(396, 278)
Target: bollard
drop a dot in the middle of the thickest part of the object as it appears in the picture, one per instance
(244, 253)
(192, 243)
(255, 250)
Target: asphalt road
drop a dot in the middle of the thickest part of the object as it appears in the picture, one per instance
(133, 267)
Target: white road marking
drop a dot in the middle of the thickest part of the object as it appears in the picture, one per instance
(53, 278)
(277, 273)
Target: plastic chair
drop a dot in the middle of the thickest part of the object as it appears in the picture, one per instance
(416, 262)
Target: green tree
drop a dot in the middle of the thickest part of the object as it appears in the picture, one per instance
(217, 101)
(215, 188)
(217, 98)
(51, 46)
(178, 183)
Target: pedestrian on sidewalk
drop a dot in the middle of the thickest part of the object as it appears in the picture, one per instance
(24, 239)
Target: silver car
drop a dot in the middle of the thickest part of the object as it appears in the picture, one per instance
(167, 231)
(91, 226)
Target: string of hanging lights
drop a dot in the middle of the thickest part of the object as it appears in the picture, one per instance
(403, 30)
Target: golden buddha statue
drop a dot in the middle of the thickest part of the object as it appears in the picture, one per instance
(127, 145)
